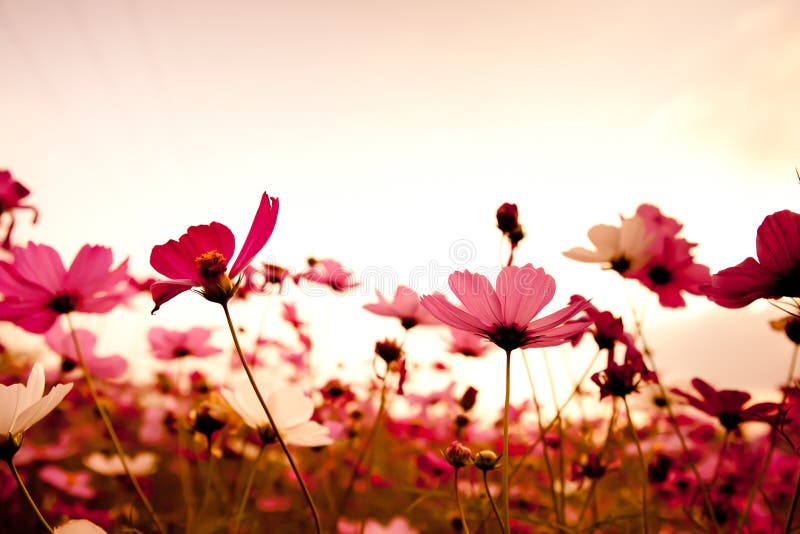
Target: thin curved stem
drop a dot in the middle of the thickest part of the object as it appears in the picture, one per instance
(645, 528)
(110, 428)
(246, 494)
(491, 501)
(282, 443)
(458, 502)
(506, 459)
(28, 497)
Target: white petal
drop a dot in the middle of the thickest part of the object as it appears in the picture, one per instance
(309, 434)
(79, 526)
(9, 402)
(290, 407)
(35, 387)
(231, 399)
(44, 406)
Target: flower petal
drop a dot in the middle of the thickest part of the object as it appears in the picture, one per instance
(308, 434)
(44, 406)
(290, 407)
(166, 290)
(260, 232)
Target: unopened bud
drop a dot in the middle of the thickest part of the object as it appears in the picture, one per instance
(468, 399)
(507, 218)
(458, 455)
(486, 460)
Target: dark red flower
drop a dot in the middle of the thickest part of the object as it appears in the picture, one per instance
(727, 405)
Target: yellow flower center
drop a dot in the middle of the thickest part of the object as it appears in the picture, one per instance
(211, 265)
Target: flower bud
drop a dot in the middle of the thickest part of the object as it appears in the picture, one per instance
(468, 399)
(458, 455)
(507, 218)
(486, 460)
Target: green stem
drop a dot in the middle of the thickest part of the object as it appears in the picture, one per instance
(282, 443)
(28, 497)
(247, 486)
(506, 459)
(458, 502)
(491, 501)
(643, 465)
(110, 428)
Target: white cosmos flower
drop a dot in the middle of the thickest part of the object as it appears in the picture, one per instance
(290, 408)
(22, 406)
(79, 526)
(624, 248)
(142, 464)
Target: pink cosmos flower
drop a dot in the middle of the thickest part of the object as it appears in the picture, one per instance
(175, 344)
(405, 306)
(74, 483)
(199, 258)
(11, 193)
(727, 405)
(467, 343)
(61, 343)
(328, 272)
(505, 315)
(775, 274)
(37, 288)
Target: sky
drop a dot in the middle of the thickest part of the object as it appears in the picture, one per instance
(392, 131)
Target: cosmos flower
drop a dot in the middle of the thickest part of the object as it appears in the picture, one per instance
(199, 258)
(624, 249)
(328, 272)
(775, 274)
(74, 483)
(404, 306)
(11, 193)
(175, 344)
(62, 344)
(22, 406)
(727, 405)
(290, 408)
(144, 463)
(467, 343)
(37, 288)
(505, 315)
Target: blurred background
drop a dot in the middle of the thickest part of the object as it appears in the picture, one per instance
(392, 131)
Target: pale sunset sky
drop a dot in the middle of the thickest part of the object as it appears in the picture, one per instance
(391, 131)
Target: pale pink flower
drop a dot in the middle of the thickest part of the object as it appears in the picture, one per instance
(62, 344)
(290, 408)
(74, 483)
(624, 249)
(467, 343)
(404, 306)
(505, 316)
(79, 526)
(328, 272)
(175, 344)
(143, 463)
(23, 406)
(37, 288)
(398, 525)
(199, 258)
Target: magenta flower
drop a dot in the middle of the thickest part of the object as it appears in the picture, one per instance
(62, 344)
(467, 343)
(199, 258)
(505, 315)
(176, 344)
(727, 405)
(328, 272)
(405, 306)
(37, 288)
(775, 274)
(11, 193)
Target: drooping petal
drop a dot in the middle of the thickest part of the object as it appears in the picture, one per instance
(290, 407)
(168, 289)
(260, 232)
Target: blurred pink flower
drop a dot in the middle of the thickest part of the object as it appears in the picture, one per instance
(505, 315)
(467, 343)
(37, 288)
(200, 257)
(328, 272)
(404, 306)
(11, 193)
(61, 343)
(143, 463)
(727, 405)
(74, 483)
(175, 344)
(623, 249)
(398, 525)
(78, 526)
(775, 274)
